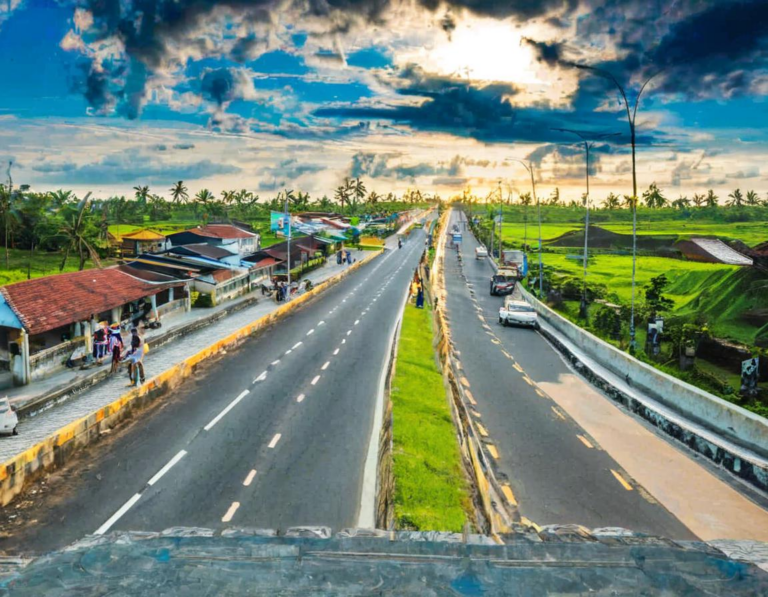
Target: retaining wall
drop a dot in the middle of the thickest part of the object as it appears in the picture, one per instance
(56, 449)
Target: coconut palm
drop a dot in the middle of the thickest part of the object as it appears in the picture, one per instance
(681, 203)
(228, 197)
(78, 236)
(525, 199)
(341, 195)
(752, 198)
(554, 197)
(630, 202)
(736, 199)
(373, 198)
(357, 189)
(142, 193)
(179, 192)
(653, 197)
(698, 199)
(612, 201)
(711, 199)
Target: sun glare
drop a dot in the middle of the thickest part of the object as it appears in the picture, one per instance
(481, 51)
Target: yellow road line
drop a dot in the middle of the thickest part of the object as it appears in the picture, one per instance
(530, 523)
(483, 431)
(558, 413)
(470, 397)
(464, 381)
(507, 491)
(528, 380)
(518, 367)
(492, 449)
(585, 441)
(540, 393)
(495, 341)
(621, 480)
(476, 414)
(506, 354)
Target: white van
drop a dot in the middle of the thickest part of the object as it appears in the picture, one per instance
(8, 418)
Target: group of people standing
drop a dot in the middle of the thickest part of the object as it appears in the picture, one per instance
(108, 341)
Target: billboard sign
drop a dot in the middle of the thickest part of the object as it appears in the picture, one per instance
(279, 222)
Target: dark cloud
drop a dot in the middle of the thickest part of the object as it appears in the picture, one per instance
(161, 147)
(223, 85)
(378, 165)
(284, 174)
(246, 49)
(482, 113)
(184, 146)
(450, 181)
(130, 167)
(749, 173)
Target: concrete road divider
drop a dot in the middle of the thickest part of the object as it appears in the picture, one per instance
(57, 448)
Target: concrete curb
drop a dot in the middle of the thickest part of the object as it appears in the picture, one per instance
(499, 516)
(58, 447)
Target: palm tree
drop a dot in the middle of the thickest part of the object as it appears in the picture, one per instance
(630, 202)
(753, 198)
(302, 201)
(681, 203)
(341, 195)
(554, 198)
(525, 199)
(358, 190)
(228, 197)
(612, 201)
(653, 197)
(699, 199)
(373, 198)
(77, 237)
(179, 192)
(60, 197)
(736, 199)
(205, 198)
(141, 194)
(711, 199)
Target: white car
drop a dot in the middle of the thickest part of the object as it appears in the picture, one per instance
(481, 253)
(518, 313)
(8, 418)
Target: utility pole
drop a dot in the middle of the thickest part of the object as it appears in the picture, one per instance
(631, 118)
(288, 223)
(529, 166)
(589, 141)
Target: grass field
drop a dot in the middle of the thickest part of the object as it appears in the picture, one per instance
(431, 491)
(43, 264)
(720, 293)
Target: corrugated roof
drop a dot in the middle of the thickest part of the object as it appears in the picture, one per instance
(265, 262)
(204, 250)
(144, 234)
(224, 231)
(150, 275)
(47, 303)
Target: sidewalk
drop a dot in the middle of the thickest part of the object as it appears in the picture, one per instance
(74, 405)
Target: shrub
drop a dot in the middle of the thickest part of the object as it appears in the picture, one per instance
(607, 322)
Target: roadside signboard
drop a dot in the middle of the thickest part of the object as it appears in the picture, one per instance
(279, 222)
(456, 238)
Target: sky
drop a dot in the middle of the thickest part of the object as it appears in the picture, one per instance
(103, 95)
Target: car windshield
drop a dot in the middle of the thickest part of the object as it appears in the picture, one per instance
(520, 308)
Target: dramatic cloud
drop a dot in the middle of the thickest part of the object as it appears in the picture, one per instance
(285, 174)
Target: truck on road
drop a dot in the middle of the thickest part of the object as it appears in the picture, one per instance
(503, 281)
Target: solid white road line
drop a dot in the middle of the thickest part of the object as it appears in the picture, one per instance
(300, 398)
(231, 512)
(335, 352)
(295, 346)
(117, 515)
(277, 362)
(229, 407)
(321, 323)
(310, 332)
(324, 367)
(167, 467)
(315, 380)
(261, 377)
(274, 441)
(249, 478)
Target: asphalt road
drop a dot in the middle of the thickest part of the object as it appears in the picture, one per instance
(557, 473)
(273, 435)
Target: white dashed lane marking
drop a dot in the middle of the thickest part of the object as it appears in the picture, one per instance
(274, 441)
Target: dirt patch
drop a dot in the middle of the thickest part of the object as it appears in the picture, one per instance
(600, 238)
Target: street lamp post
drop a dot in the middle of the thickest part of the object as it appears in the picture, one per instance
(589, 143)
(288, 223)
(529, 166)
(631, 117)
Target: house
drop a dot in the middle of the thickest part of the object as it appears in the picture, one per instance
(206, 252)
(44, 320)
(142, 241)
(241, 241)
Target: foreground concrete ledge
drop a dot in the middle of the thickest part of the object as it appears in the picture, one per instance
(313, 561)
(56, 449)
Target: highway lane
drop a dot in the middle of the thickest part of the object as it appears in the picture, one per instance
(273, 435)
(554, 470)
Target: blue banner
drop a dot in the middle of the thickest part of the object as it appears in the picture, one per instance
(279, 222)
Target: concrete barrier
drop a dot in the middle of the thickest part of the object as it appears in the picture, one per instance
(57, 448)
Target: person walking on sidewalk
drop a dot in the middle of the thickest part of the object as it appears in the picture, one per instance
(135, 358)
(115, 346)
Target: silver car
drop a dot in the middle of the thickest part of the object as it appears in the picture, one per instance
(8, 418)
(518, 313)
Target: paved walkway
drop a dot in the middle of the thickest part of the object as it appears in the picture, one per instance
(36, 428)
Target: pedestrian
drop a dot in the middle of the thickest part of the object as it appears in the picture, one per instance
(115, 346)
(420, 297)
(339, 258)
(349, 257)
(135, 357)
(99, 343)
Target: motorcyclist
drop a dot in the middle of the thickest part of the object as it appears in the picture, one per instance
(399, 243)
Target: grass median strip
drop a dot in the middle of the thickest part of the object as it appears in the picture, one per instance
(431, 491)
